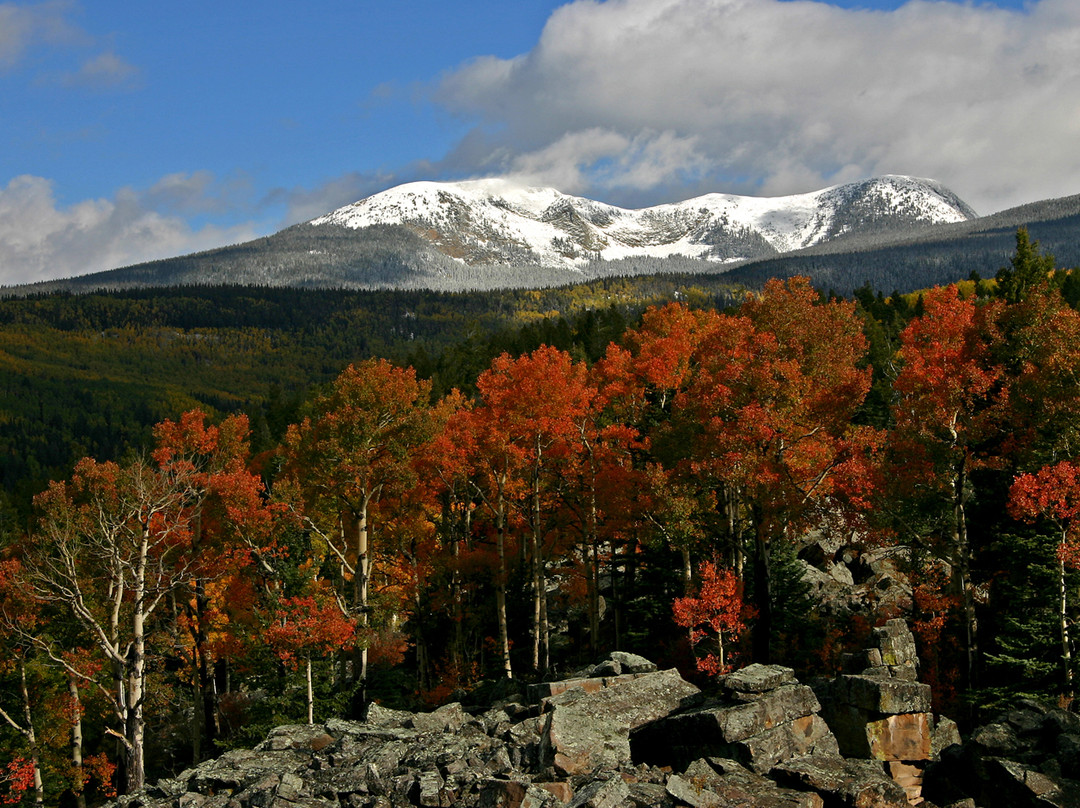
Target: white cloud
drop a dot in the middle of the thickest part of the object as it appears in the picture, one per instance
(40, 240)
(763, 96)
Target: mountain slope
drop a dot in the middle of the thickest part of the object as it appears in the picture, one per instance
(494, 221)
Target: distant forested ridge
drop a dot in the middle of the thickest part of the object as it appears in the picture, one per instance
(90, 374)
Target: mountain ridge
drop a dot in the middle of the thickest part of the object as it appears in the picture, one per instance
(875, 234)
(497, 221)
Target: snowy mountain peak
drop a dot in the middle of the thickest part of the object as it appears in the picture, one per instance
(495, 221)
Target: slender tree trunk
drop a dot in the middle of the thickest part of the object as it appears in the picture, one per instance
(731, 516)
(687, 571)
(963, 572)
(77, 741)
(310, 694)
(593, 545)
(362, 581)
(136, 730)
(500, 587)
(1063, 619)
(31, 736)
(536, 547)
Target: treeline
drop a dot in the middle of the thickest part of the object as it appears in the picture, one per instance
(402, 544)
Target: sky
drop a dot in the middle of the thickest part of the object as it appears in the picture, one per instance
(133, 131)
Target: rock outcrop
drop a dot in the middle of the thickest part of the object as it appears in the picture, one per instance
(625, 735)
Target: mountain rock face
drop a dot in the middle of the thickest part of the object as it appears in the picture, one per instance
(496, 222)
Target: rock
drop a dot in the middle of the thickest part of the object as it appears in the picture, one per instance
(1015, 784)
(882, 695)
(996, 739)
(777, 725)
(729, 783)
(590, 684)
(604, 793)
(757, 678)
(944, 734)
(854, 783)
(448, 718)
(632, 663)
(895, 737)
(513, 794)
(650, 795)
(560, 791)
(579, 741)
(380, 716)
(897, 644)
(587, 732)
(909, 776)
(692, 793)
(608, 667)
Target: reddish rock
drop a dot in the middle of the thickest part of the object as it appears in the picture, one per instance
(909, 776)
(899, 737)
(561, 791)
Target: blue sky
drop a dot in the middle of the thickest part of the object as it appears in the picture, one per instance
(133, 131)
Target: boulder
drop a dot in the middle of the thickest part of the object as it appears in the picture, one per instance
(719, 782)
(852, 783)
(590, 731)
(632, 663)
(757, 726)
(609, 792)
(758, 678)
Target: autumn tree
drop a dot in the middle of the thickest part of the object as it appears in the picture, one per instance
(353, 449)
(950, 395)
(715, 613)
(308, 627)
(770, 409)
(112, 545)
(531, 412)
(19, 618)
(1052, 494)
(231, 522)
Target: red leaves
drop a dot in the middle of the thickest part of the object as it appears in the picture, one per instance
(715, 613)
(18, 776)
(1052, 493)
(308, 626)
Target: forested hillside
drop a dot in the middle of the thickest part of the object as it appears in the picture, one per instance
(91, 374)
(604, 481)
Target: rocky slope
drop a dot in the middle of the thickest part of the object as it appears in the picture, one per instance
(625, 735)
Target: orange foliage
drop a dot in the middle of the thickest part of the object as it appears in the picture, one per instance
(19, 778)
(716, 613)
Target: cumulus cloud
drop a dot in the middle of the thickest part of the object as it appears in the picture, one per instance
(771, 97)
(40, 240)
(23, 27)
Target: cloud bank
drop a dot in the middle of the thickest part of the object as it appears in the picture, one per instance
(40, 240)
(644, 98)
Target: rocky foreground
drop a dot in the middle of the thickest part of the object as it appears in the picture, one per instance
(626, 735)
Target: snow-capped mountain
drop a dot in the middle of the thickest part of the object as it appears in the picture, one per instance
(495, 221)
